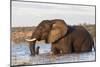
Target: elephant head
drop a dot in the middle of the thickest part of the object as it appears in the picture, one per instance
(48, 30)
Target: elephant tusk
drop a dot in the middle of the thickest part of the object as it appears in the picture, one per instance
(30, 39)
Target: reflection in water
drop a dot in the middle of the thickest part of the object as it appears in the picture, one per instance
(23, 49)
(21, 55)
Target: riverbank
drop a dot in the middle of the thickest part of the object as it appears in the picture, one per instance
(19, 34)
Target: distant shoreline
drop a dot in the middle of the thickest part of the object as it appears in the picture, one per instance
(19, 34)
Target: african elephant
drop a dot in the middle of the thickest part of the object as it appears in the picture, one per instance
(64, 38)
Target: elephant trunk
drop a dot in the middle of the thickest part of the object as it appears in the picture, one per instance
(32, 48)
(32, 45)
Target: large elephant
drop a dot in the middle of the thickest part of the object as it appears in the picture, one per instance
(64, 38)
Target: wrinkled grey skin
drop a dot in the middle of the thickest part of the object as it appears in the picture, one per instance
(32, 48)
(64, 38)
(41, 33)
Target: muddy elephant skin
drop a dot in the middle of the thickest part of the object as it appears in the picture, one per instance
(64, 38)
(76, 40)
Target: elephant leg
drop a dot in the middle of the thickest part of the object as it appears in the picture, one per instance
(55, 51)
(66, 45)
(84, 46)
(63, 46)
(87, 46)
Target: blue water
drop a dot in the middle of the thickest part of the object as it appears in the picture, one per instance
(21, 55)
(22, 49)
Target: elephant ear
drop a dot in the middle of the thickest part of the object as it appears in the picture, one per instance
(59, 29)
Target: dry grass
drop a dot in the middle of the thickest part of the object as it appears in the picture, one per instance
(19, 34)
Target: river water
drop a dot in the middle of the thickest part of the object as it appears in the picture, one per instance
(20, 55)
